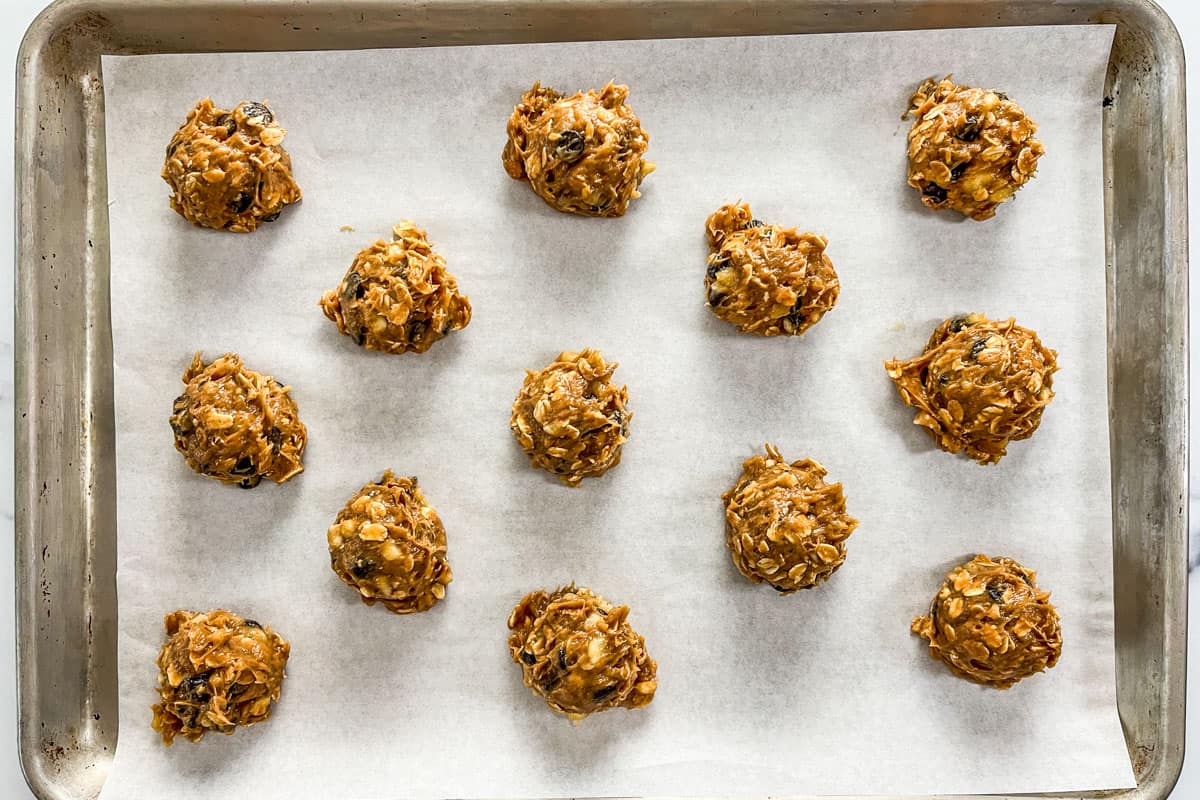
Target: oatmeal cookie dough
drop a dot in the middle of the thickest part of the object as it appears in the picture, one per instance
(784, 524)
(766, 279)
(228, 169)
(579, 654)
(979, 385)
(237, 425)
(398, 296)
(990, 623)
(969, 149)
(216, 671)
(389, 544)
(582, 154)
(570, 418)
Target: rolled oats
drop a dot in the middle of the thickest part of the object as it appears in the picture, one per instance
(388, 543)
(227, 169)
(990, 623)
(979, 385)
(766, 279)
(216, 671)
(237, 425)
(784, 524)
(969, 149)
(578, 652)
(398, 296)
(570, 419)
(582, 154)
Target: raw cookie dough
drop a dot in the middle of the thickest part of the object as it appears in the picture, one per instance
(570, 419)
(991, 624)
(969, 149)
(216, 671)
(784, 524)
(579, 654)
(397, 296)
(766, 279)
(236, 425)
(389, 544)
(979, 385)
(581, 154)
(228, 169)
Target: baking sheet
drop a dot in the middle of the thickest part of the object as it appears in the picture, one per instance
(821, 692)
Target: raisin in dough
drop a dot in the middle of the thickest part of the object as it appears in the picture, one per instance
(990, 623)
(979, 385)
(579, 654)
(969, 149)
(228, 169)
(237, 425)
(766, 279)
(570, 418)
(582, 154)
(389, 544)
(784, 524)
(398, 296)
(216, 671)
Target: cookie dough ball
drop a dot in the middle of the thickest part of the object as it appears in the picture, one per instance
(978, 386)
(570, 418)
(969, 149)
(398, 296)
(237, 425)
(766, 279)
(581, 154)
(216, 671)
(991, 624)
(228, 169)
(579, 654)
(784, 524)
(389, 544)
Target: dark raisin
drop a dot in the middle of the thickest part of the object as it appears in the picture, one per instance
(978, 346)
(416, 330)
(602, 612)
(716, 263)
(607, 691)
(227, 122)
(358, 335)
(257, 112)
(970, 129)
(237, 689)
(196, 688)
(562, 657)
(551, 682)
(352, 286)
(1002, 95)
(528, 657)
(795, 317)
(755, 223)
(716, 298)
(275, 439)
(570, 146)
(244, 466)
(957, 324)
(251, 482)
(780, 589)
(958, 170)
(362, 568)
(242, 202)
(943, 379)
(253, 623)
(934, 192)
(274, 215)
(995, 590)
(618, 419)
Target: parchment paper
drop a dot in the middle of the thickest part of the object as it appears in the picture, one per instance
(822, 692)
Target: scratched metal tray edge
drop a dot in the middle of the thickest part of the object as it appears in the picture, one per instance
(65, 484)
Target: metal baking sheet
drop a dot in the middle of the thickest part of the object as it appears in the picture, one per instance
(66, 529)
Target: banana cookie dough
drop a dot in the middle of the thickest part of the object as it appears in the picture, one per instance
(236, 425)
(228, 169)
(570, 418)
(216, 671)
(979, 385)
(766, 279)
(969, 149)
(991, 624)
(582, 154)
(389, 544)
(579, 653)
(398, 296)
(784, 524)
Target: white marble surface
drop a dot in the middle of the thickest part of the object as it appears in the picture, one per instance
(15, 16)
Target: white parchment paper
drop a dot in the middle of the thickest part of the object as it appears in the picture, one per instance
(822, 692)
